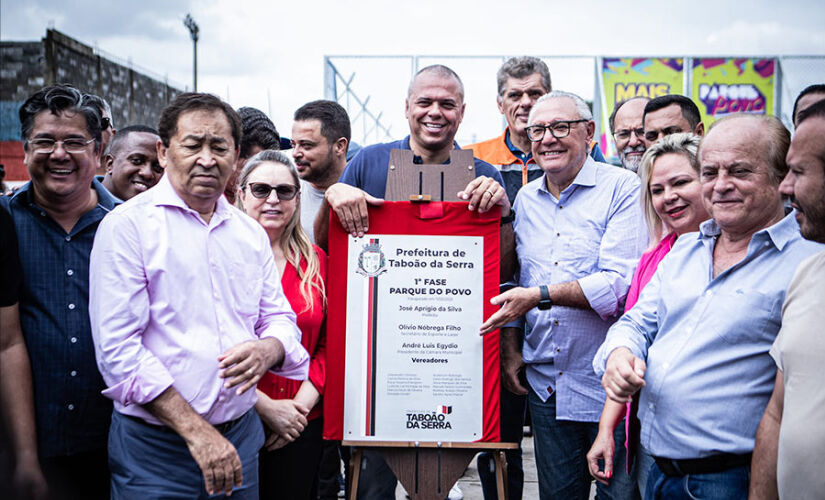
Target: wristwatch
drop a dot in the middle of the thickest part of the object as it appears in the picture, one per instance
(545, 302)
(509, 217)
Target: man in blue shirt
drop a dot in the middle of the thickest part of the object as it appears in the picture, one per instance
(434, 110)
(698, 338)
(521, 81)
(579, 233)
(56, 215)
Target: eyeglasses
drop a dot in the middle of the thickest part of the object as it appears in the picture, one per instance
(285, 192)
(47, 146)
(558, 129)
(624, 135)
(105, 123)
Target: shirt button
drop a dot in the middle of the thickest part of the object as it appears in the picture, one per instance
(560, 207)
(558, 234)
(73, 340)
(71, 307)
(556, 322)
(708, 293)
(70, 272)
(651, 405)
(560, 374)
(68, 238)
(70, 407)
(282, 389)
(555, 263)
(73, 373)
(558, 349)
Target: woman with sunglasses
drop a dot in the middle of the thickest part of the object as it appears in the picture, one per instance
(672, 203)
(268, 190)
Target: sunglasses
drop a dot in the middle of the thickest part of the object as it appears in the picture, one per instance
(285, 192)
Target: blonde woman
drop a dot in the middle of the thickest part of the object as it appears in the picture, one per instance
(268, 191)
(672, 203)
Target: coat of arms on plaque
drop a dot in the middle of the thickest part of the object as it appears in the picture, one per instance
(371, 262)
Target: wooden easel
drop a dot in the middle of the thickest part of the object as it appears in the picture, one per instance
(428, 470)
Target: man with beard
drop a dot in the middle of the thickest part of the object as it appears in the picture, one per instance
(131, 162)
(628, 132)
(788, 459)
(670, 114)
(320, 139)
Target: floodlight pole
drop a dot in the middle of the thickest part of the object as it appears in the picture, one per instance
(194, 32)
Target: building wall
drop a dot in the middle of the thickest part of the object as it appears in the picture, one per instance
(135, 98)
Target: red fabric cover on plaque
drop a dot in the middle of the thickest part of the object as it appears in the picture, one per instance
(404, 217)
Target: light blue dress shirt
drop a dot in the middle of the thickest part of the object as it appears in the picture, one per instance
(594, 234)
(706, 341)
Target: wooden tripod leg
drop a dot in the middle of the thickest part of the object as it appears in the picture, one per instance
(501, 474)
(354, 472)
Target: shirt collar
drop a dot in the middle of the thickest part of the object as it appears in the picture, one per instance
(524, 157)
(585, 177)
(780, 234)
(105, 199)
(165, 195)
(417, 159)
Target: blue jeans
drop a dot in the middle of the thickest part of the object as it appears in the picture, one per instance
(731, 484)
(644, 461)
(561, 456)
(151, 462)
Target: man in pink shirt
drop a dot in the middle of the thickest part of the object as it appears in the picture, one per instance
(187, 315)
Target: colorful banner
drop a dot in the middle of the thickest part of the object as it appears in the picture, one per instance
(625, 78)
(726, 86)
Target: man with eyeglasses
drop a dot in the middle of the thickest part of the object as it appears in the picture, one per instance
(131, 162)
(187, 314)
(670, 114)
(521, 81)
(628, 132)
(56, 216)
(579, 233)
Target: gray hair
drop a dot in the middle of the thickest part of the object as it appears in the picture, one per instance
(684, 144)
(57, 99)
(582, 108)
(522, 67)
(440, 70)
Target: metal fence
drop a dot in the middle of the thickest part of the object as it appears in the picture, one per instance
(372, 88)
